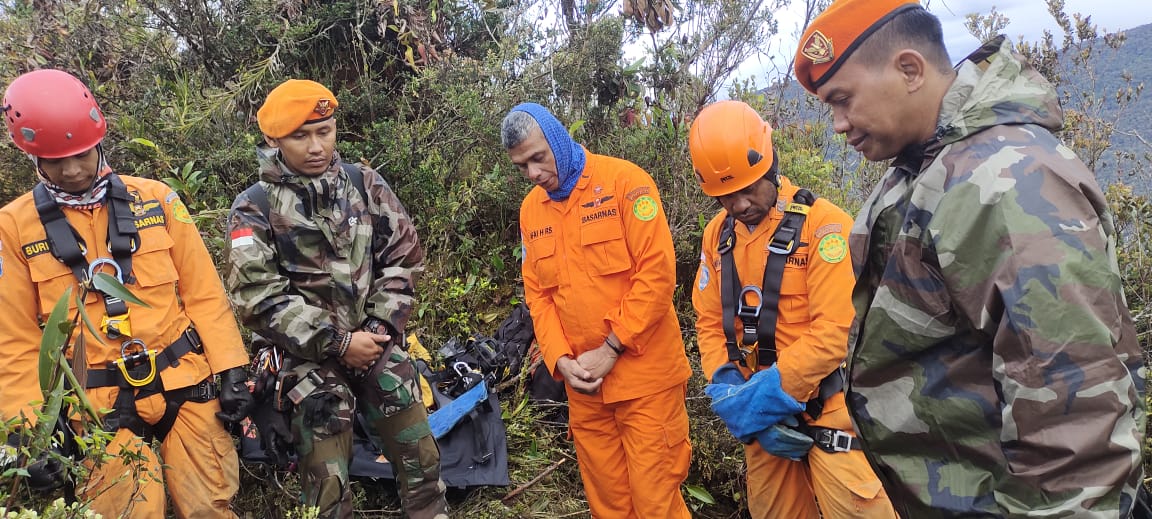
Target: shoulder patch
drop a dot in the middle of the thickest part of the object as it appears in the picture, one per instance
(171, 196)
(705, 276)
(825, 230)
(645, 208)
(180, 211)
(832, 248)
(35, 248)
(637, 193)
(241, 237)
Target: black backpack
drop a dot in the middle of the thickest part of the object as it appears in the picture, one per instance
(514, 336)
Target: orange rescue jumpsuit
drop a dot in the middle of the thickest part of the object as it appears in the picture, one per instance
(176, 277)
(603, 261)
(815, 312)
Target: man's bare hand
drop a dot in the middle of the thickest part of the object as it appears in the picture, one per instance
(576, 376)
(598, 362)
(365, 348)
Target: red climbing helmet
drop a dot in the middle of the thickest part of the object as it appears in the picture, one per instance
(51, 114)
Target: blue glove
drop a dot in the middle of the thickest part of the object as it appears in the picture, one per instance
(444, 419)
(784, 441)
(753, 406)
(728, 374)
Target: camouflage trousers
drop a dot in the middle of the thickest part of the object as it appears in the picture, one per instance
(389, 397)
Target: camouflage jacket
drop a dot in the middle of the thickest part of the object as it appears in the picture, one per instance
(323, 261)
(994, 367)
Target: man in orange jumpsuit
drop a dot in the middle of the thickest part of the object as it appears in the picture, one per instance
(83, 218)
(599, 271)
(772, 297)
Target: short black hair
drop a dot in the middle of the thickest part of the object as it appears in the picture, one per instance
(912, 29)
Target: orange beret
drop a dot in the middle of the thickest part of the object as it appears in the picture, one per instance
(832, 37)
(293, 103)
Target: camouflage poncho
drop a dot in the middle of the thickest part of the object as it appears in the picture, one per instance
(994, 367)
(324, 264)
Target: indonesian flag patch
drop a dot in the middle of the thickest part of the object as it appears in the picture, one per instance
(242, 237)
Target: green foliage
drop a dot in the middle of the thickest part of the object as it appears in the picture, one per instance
(188, 182)
(55, 510)
(458, 307)
(1104, 112)
(64, 401)
(1135, 255)
(717, 458)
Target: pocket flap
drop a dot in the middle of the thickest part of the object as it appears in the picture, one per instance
(867, 489)
(45, 266)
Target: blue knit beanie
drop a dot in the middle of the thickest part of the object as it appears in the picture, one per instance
(569, 155)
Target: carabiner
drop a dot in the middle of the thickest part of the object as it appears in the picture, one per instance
(462, 368)
(125, 359)
(105, 261)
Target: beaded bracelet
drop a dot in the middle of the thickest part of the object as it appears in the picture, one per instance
(618, 349)
(345, 342)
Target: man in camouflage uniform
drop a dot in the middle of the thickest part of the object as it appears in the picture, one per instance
(328, 276)
(994, 368)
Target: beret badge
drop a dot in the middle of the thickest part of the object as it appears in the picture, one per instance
(323, 107)
(818, 48)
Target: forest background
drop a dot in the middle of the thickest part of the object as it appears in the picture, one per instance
(423, 85)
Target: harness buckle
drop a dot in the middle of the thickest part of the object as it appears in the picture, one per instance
(130, 361)
(116, 326)
(727, 241)
(783, 241)
(747, 312)
(736, 353)
(205, 391)
(835, 440)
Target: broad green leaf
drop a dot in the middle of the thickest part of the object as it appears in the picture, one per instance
(143, 142)
(108, 284)
(88, 322)
(174, 183)
(53, 403)
(699, 493)
(83, 403)
(576, 126)
(55, 333)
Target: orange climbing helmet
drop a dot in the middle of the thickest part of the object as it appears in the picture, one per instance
(51, 114)
(731, 147)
